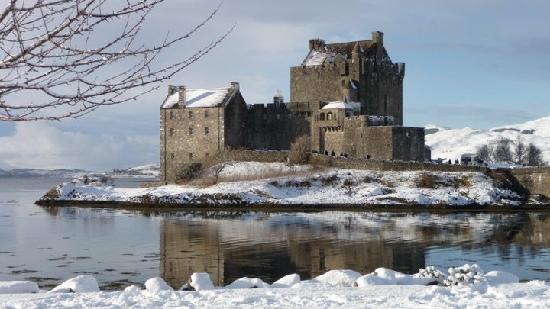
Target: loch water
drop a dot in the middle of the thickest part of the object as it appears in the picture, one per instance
(119, 247)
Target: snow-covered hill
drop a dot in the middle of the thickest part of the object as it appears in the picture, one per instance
(451, 143)
(143, 171)
(55, 173)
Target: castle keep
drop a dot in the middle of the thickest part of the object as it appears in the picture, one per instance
(348, 97)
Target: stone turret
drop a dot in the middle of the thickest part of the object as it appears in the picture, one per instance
(316, 44)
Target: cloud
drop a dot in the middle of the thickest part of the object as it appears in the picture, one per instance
(42, 145)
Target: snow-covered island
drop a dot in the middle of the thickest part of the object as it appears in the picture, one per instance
(255, 183)
(460, 287)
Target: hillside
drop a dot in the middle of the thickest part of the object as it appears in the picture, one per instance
(451, 143)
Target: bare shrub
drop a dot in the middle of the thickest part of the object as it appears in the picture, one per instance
(300, 150)
(427, 180)
(463, 181)
(329, 180)
(189, 172)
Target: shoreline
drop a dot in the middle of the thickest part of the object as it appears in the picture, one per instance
(277, 207)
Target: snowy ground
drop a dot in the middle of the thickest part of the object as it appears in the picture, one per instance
(451, 143)
(303, 185)
(383, 288)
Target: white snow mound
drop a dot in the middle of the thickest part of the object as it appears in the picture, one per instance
(201, 282)
(247, 283)
(156, 285)
(79, 284)
(344, 277)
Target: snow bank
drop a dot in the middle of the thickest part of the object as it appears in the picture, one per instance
(303, 186)
(155, 285)
(16, 287)
(333, 289)
(79, 284)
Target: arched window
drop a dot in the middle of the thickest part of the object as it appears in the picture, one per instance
(329, 116)
(322, 117)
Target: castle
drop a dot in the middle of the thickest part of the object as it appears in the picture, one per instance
(348, 97)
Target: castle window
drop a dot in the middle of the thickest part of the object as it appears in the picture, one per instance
(322, 117)
(190, 114)
(171, 115)
(190, 156)
(171, 131)
(206, 130)
(205, 113)
(329, 116)
(278, 116)
(190, 131)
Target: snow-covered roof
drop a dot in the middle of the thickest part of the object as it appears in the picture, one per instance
(356, 106)
(199, 98)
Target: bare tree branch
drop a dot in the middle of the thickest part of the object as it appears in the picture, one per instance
(51, 54)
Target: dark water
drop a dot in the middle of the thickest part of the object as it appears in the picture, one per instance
(122, 247)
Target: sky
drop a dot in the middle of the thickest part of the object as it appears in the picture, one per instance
(470, 63)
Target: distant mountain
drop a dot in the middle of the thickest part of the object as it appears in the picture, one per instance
(451, 143)
(28, 172)
(146, 171)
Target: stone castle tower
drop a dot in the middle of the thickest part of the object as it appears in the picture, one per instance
(359, 71)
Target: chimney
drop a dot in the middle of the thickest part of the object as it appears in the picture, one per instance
(378, 37)
(182, 99)
(278, 98)
(316, 44)
(235, 86)
(172, 89)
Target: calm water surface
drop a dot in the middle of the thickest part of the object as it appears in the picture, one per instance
(49, 245)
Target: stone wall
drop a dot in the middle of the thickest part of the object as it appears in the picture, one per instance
(274, 126)
(378, 165)
(317, 83)
(188, 135)
(535, 180)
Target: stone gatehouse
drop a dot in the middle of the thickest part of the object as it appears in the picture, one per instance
(348, 97)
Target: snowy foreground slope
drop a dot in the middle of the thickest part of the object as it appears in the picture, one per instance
(451, 143)
(304, 185)
(465, 286)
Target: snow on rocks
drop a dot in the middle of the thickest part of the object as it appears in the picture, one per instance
(344, 277)
(155, 285)
(79, 284)
(465, 275)
(201, 282)
(286, 281)
(247, 283)
(17, 287)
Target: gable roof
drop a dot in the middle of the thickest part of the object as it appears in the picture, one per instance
(197, 98)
